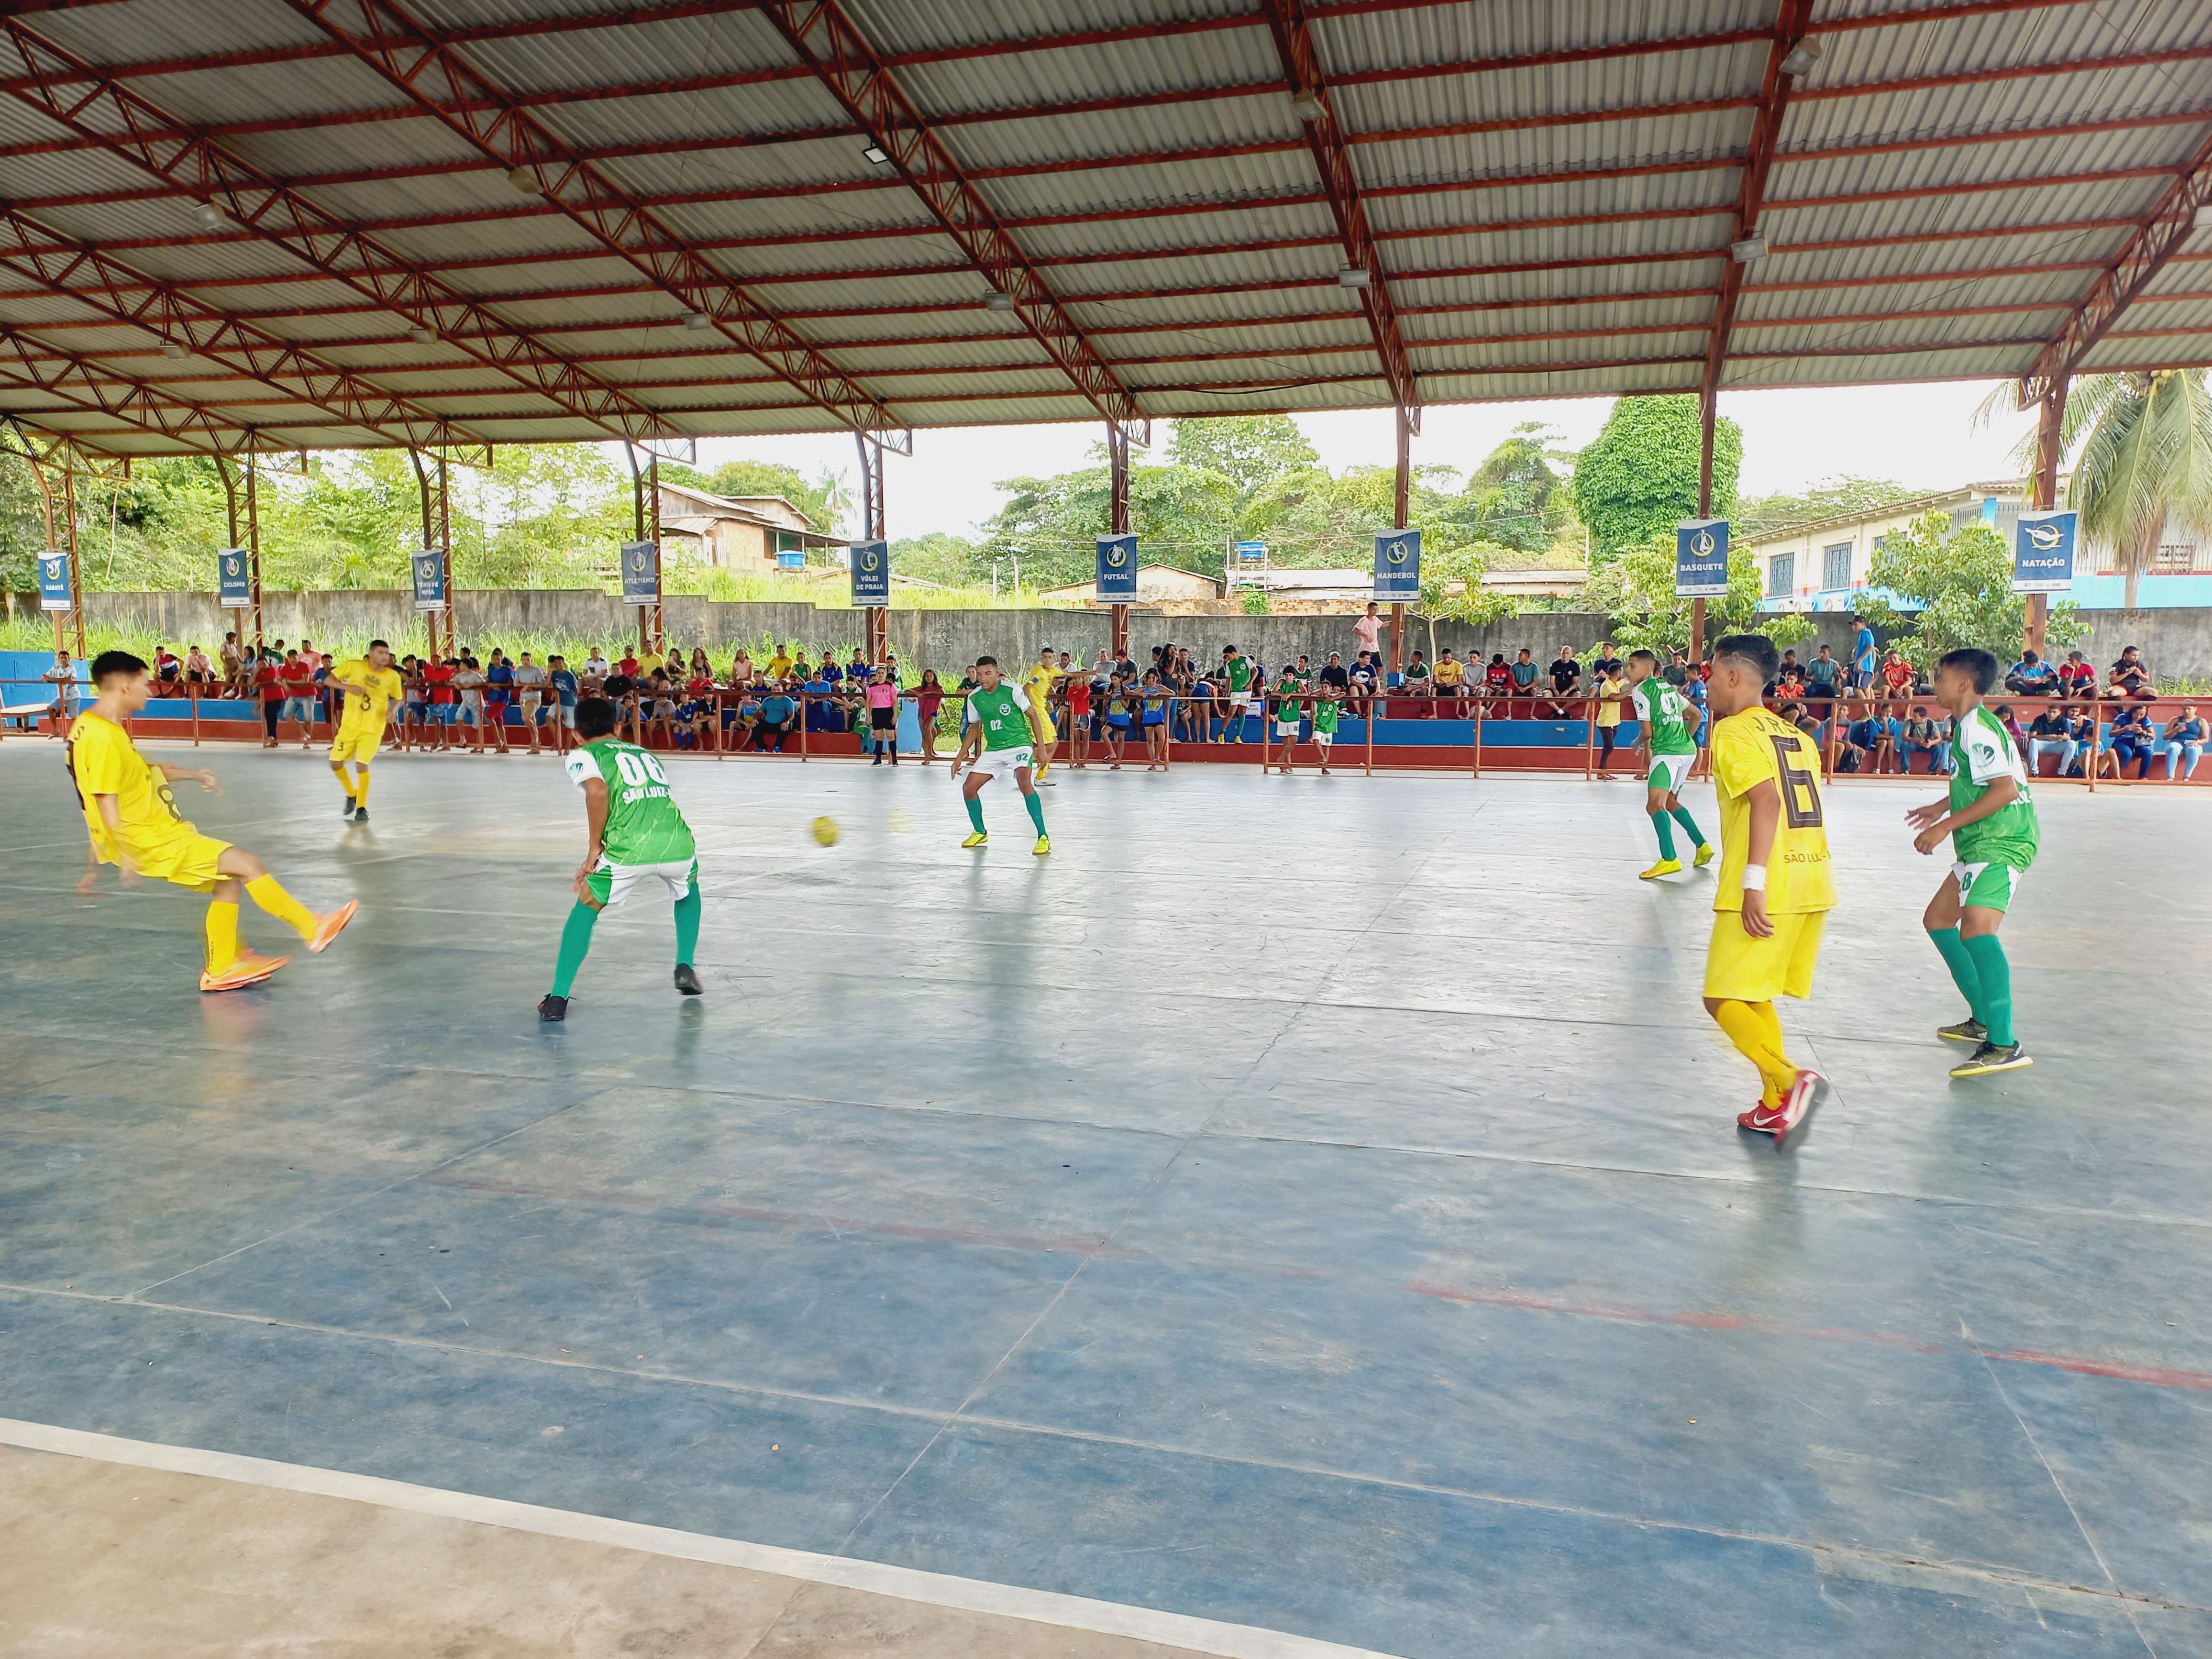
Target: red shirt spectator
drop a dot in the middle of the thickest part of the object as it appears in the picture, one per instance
(439, 677)
(299, 679)
(265, 677)
(627, 664)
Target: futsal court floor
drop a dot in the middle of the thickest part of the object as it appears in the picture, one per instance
(1298, 1216)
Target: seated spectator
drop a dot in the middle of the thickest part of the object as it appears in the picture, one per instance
(2052, 729)
(2085, 741)
(2131, 676)
(1449, 677)
(1824, 678)
(2182, 741)
(1334, 674)
(1803, 719)
(2031, 677)
(1866, 742)
(778, 715)
(1417, 683)
(2011, 721)
(198, 671)
(1921, 735)
(2132, 738)
(1566, 681)
(1524, 670)
(1898, 679)
(1498, 683)
(1364, 678)
(2077, 676)
(234, 681)
(1789, 678)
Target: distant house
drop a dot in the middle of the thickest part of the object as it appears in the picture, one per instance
(1155, 583)
(1822, 565)
(753, 535)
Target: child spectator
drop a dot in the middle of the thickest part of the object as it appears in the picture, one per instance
(882, 716)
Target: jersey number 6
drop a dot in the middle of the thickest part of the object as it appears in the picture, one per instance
(1804, 812)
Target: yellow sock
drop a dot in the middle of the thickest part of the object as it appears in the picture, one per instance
(222, 935)
(1746, 1026)
(345, 783)
(361, 785)
(270, 894)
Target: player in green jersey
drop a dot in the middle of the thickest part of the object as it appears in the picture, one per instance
(637, 831)
(1664, 716)
(1002, 735)
(1991, 821)
(1326, 712)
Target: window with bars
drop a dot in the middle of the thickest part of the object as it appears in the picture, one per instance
(1836, 567)
(2175, 559)
(1781, 575)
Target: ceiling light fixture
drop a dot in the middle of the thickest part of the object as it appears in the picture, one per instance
(210, 216)
(696, 320)
(1306, 106)
(876, 154)
(525, 180)
(1800, 59)
(424, 335)
(1752, 247)
(998, 302)
(1351, 277)
(2203, 219)
(173, 349)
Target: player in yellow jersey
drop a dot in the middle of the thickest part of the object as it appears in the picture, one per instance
(1038, 682)
(371, 686)
(1775, 886)
(133, 820)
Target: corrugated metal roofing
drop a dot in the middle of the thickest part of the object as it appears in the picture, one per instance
(1552, 189)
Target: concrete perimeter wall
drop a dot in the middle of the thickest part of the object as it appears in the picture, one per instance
(2177, 642)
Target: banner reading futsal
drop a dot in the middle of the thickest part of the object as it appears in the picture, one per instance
(1398, 566)
(2043, 553)
(1117, 570)
(429, 579)
(640, 566)
(234, 581)
(1701, 559)
(54, 581)
(871, 573)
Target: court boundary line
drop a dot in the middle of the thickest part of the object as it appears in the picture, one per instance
(936, 1589)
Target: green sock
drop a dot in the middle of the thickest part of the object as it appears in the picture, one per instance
(686, 921)
(975, 813)
(1953, 949)
(1994, 973)
(1665, 829)
(1682, 816)
(1037, 810)
(576, 940)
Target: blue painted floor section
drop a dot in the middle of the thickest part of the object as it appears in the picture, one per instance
(1310, 1203)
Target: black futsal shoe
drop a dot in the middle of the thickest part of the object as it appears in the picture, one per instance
(553, 1010)
(687, 980)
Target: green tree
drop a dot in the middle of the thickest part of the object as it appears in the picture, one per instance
(1514, 498)
(1250, 451)
(939, 558)
(1823, 499)
(1961, 581)
(1637, 590)
(1452, 589)
(2142, 459)
(1052, 525)
(1639, 476)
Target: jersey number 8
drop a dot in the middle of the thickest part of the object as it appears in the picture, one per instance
(637, 770)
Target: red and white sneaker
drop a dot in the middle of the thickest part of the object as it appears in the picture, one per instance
(1780, 1121)
(1762, 1117)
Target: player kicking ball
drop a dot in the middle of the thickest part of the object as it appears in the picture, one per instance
(371, 686)
(1663, 714)
(1775, 885)
(636, 831)
(132, 817)
(1991, 823)
(1000, 737)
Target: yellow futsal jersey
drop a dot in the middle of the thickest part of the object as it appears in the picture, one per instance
(1039, 683)
(383, 685)
(1759, 746)
(103, 761)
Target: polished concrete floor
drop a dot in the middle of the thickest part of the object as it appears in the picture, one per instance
(1306, 1204)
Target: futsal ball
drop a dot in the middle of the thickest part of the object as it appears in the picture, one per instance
(825, 831)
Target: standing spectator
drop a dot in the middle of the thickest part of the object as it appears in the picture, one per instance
(2031, 677)
(1676, 673)
(1153, 718)
(1327, 710)
(498, 688)
(929, 697)
(882, 716)
(63, 677)
(596, 666)
(2130, 739)
(1863, 653)
(2131, 675)
(1335, 677)
(1610, 688)
(2183, 740)
(468, 684)
(1078, 719)
(530, 696)
(438, 679)
(270, 684)
(1566, 680)
(298, 695)
(1289, 716)
(1238, 669)
(1118, 703)
(1523, 670)
(561, 680)
(234, 665)
(1369, 631)
(309, 655)
(2052, 729)
(1922, 735)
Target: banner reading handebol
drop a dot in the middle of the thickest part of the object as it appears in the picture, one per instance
(2043, 553)
(871, 573)
(234, 581)
(1117, 570)
(1701, 558)
(429, 580)
(54, 581)
(1398, 566)
(641, 562)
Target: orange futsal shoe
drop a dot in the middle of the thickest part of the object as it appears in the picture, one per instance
(248, 969)
(331, 924)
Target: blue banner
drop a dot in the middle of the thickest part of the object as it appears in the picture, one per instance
(233, 577)
(640, 566)
(1701, 558)
(2043, 553)
(1398, 566)
(54, 581)
(429, 580)
(871, 573)
(1117, 570)
(1251, 551)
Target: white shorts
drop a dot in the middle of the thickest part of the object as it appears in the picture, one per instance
(1003, 762)
(1668, 771)
(611, 882)
(1286, 728)
(1324, 739)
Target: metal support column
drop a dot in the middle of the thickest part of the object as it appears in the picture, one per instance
(2050, 443)
(871, 530)
(437, 536)
(1708, 413)
(659, 642)
(76, 612)
(1117, 455)
(1405, 501)
(253, 546)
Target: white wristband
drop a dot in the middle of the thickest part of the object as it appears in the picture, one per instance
(1754, 877)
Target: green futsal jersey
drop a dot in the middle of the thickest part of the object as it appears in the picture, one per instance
(644, 825)
(1003, 713)
(1663, 715)
(1324, 717)
(2011, 833)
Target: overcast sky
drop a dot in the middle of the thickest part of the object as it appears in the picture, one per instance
(1917, 435)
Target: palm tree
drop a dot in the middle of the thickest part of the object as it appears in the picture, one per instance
(2140, 443)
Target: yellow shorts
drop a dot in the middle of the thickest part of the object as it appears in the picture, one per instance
(357, 742)
(1741, 969)
(188, 859)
